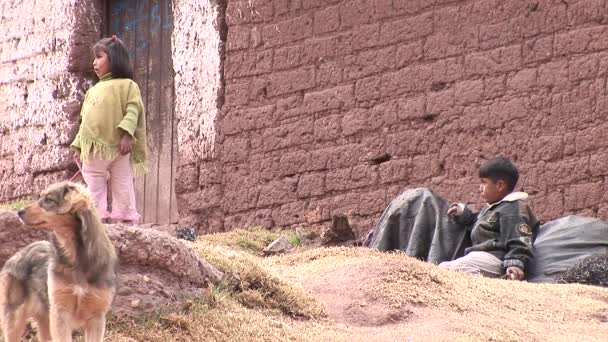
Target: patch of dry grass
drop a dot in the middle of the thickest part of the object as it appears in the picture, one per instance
(267, 300)
(252, 240)
(221, 319)
(15, 205)
(256, 286)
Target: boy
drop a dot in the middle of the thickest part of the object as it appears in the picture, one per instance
(503, 231)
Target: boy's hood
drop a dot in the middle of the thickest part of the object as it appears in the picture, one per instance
(512, 197)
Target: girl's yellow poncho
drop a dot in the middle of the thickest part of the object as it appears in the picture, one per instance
(111, 104)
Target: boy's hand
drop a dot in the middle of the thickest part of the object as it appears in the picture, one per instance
(126, 143)
(456, 210)
(514, 273)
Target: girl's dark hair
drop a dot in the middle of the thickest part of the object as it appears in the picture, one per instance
(500, 169)
(117, 52)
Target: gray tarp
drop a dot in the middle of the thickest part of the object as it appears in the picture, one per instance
(416, 222)
(562, 243)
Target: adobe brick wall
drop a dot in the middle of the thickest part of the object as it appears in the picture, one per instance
(336, 106)
(307, 108)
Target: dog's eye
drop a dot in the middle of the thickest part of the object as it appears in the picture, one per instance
(48, 200)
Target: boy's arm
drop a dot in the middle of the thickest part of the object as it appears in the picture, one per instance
(516, 233)
(462, 214)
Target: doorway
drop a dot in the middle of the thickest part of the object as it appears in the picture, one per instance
(146, 27)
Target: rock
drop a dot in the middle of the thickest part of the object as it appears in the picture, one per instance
(188, 234)
(124, 291)
(306, 235)
(155, 268)
(278, 246)
(339, 234)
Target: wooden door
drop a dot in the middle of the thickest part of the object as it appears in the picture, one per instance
(146, 26)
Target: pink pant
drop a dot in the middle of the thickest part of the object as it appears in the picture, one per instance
(95, 173)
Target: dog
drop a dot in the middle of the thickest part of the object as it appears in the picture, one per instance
(64, 284)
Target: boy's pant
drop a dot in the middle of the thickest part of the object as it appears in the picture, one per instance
(94, 173)
(482, 263)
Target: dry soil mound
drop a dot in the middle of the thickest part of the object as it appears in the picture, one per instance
(385, 296)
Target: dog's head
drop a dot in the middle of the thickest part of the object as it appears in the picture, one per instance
(58, 205)
(68, 210)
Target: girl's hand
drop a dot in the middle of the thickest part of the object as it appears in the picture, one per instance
(126, 143)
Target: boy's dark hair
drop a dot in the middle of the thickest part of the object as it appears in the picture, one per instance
(500, 169)
(117, 52)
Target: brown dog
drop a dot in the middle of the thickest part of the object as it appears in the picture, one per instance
(66, 283)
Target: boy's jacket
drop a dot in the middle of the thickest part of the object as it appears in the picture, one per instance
(506, 229)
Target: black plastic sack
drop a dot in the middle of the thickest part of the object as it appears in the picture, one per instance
(416, 223)
(562, 243)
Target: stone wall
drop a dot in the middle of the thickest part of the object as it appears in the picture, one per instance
(335, 106)
(44, 69)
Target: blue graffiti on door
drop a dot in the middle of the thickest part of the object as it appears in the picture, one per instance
(127, 14)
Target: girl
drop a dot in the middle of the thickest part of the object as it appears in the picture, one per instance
(112, 134)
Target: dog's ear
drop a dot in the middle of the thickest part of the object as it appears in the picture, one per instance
(97, 251)
(76, 197)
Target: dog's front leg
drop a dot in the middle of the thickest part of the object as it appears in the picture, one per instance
(61, 331)
(43, 329)
(95, 329)
(13, 324)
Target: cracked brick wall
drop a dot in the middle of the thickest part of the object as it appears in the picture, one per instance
(336, 106)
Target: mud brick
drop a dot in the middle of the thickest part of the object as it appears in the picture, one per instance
(328, 128)
(440, 101)
(288, 57)
(248, 11)
(467, 92)
(288, 31)
(289, 214)
(311, 185)
(408, 53)
(368, 88)
(291, 81)
(326, 20)
(366, 36)
(523, 80)
(356, 12)
(288, 135)
(406, 29)
(411, 79)
(238, 38)
(583, 67)
(412, 108)
(278, 191)
(235, 149)
(447, 44)
(587, 11)
(538, 50)
(334, 98)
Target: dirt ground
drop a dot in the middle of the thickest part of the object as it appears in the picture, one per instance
(374, 296)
